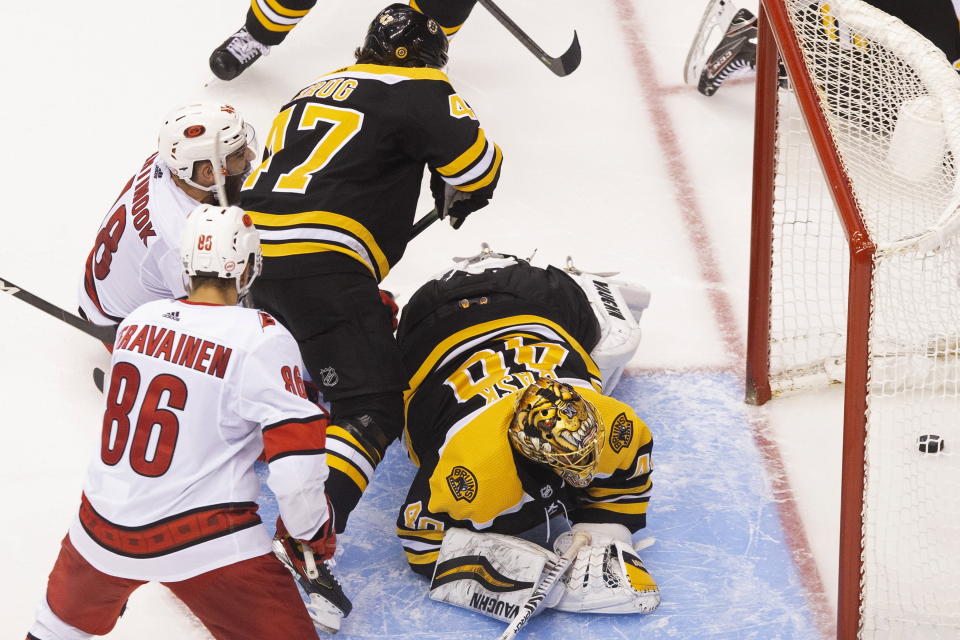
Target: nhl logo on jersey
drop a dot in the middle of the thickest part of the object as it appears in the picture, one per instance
(462, 483)
(621, 432)
(329, 377)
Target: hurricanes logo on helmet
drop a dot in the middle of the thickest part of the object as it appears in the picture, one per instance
(462, 483)
(621, 432)
(194, 131)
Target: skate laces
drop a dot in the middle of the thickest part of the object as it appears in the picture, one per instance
(245, 47)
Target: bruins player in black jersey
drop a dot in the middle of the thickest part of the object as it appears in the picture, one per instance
(269, 21)
(509, 424)
(334, 201)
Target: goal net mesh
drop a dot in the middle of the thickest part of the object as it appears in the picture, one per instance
(892, 104)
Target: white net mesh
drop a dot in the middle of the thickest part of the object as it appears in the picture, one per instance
(892, 104)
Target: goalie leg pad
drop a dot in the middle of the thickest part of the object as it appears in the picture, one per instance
(489, 573)
(618, 307)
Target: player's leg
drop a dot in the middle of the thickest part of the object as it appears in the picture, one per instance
(449, 14)
(345, 334)
(81, 601)
(255, 599)
(268, 23)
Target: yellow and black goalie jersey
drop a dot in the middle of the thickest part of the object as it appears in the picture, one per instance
(461, 399)
(343, 163)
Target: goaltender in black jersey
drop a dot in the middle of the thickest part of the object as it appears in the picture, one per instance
(509, 422)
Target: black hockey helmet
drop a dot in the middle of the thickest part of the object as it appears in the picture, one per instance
(402, 36)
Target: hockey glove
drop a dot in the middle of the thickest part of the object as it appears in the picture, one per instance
(607, 576)
(390, 303)
(455, 204)
(321, 546)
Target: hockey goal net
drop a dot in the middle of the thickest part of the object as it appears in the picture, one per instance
(855, 278)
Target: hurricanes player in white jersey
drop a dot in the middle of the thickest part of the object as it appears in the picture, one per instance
(203, 156)
(199, 388)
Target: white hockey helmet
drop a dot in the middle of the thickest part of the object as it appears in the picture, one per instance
(219, 242)
(204, 131)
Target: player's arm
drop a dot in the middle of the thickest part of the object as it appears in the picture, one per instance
(464, 162)
(294, 437)
(622, 496)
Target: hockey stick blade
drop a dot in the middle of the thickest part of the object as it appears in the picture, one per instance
(104, 334)
(563, 65)
(551, 575)
(99, 377)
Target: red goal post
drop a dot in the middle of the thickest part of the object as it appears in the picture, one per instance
(855, 278)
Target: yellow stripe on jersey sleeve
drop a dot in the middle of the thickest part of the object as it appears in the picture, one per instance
(488, 176)
(422, 558)
(303, 248)
(466, 158)
(345, 467)
(432, 535)
(284, 11)
(325, 218)
(603, 492)
(266, 22)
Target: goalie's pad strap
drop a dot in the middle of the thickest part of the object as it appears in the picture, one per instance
(488, 573)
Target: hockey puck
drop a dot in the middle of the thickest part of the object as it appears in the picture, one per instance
(931, 443)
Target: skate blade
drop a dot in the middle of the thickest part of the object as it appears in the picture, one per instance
(325, 616)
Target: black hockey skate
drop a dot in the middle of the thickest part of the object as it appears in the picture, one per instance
(237, 52)
(737, 51)
(328, 603)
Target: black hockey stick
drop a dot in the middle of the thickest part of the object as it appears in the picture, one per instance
(424, 222)
(104, 334)
(562, 66)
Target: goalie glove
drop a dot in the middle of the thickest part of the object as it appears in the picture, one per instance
(455, 204)
(608, 575)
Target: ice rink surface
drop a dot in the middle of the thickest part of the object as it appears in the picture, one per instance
(619, 165)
